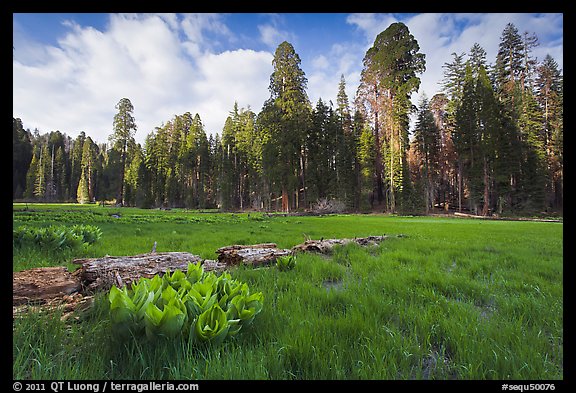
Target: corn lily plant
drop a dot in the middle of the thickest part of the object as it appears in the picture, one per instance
(200, 305)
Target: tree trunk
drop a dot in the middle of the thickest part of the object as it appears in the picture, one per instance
(120, 198)
(486, 207)
(285, 204)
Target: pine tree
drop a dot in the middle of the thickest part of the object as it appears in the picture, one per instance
(76, 163)
(427, 144)
(21, 157)
(85, 191)
(454, 73)
(31, 174)
(549, 94)
(42, 173)
(348, 165)
(509, 68)
(466, 140)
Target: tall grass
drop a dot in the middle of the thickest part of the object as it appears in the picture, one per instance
(454, 299)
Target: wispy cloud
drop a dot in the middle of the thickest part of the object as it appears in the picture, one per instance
(162, 63)
(272, 34)
(168, 64)
(439, 35)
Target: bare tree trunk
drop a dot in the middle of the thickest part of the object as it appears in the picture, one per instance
(460, 187)
(285, 204)
(486, 207)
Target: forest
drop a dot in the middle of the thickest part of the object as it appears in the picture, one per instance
(489, 143)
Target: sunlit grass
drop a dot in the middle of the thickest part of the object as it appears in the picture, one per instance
(454, 299)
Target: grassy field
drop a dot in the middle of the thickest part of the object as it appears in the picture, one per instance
(453, 299)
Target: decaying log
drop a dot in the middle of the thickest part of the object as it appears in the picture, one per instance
(253, 255)
(56, 286)
(325, 246)
(102, 273)
(40, 285)
(67, 304)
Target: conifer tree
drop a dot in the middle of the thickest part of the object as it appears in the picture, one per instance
(285, 120)
(122, 139)
(427, 144)
(388, 78)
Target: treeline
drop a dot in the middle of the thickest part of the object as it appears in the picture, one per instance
(490, 142)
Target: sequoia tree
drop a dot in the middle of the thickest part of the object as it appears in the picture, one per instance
(387, 81)
(122, 139)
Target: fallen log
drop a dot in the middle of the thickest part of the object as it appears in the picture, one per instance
(67, 304)
(101, 273)
(43, 284)
(54, 285)
(325, 246)
(253, 255)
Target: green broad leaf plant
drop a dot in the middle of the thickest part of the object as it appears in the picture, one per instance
(285, 263)
(202, 306)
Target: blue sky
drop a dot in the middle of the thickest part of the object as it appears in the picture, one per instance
(70, 70)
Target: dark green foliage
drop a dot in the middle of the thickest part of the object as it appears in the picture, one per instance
(21, 157)
(492, 142)
(55, 238)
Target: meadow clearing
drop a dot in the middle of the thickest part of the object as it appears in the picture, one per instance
(454, 298)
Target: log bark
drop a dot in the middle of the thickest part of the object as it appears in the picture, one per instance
(326, 246)
(101, 273)
(41, 285)
(52, 285)
(253, 255)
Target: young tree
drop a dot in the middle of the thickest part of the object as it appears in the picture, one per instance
(348, 165)
(76, 163)
(85, 192)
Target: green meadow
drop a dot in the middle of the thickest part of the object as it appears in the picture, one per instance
(453, 298)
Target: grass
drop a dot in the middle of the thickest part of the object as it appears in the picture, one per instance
(454, 299)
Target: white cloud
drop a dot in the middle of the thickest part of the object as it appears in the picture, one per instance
(271, 33)
(169, 64)
(342, 59)
(272, 36)
(320, 62)
(76, 85)
(242, 75)
(439, 35)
